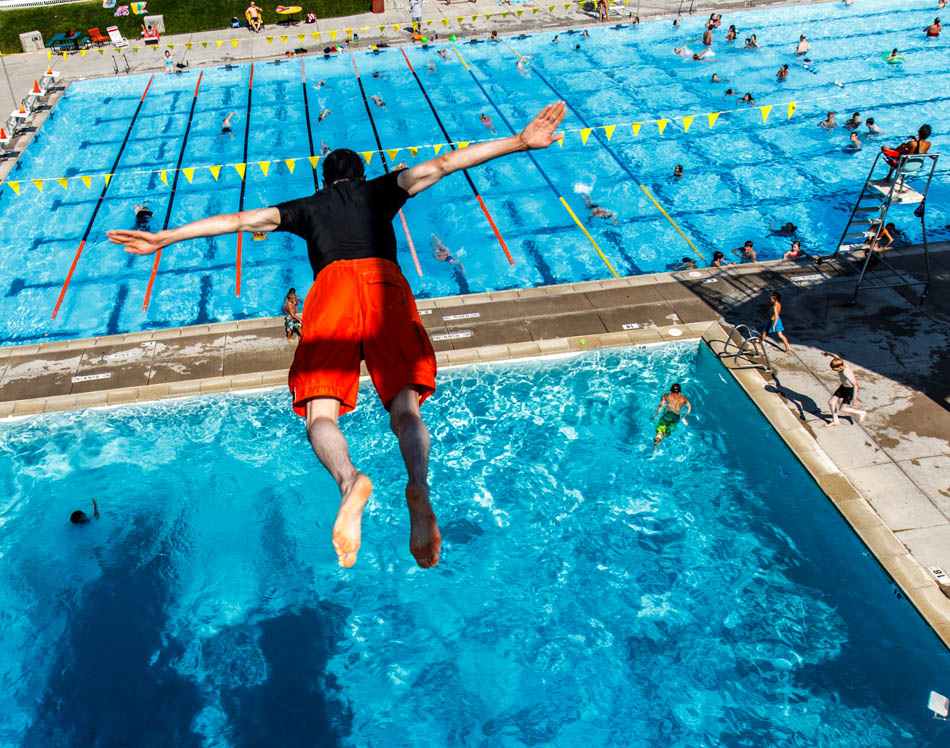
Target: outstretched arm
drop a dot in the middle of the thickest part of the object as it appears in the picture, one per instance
(145, 243)
(95, 508)
(539, 133)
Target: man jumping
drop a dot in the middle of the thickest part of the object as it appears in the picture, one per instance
(360, 306)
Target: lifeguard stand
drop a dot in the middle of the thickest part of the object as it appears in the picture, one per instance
(869, 216)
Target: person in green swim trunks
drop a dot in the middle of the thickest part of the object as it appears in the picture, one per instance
(672, 403)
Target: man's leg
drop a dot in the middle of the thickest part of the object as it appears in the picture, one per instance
(330, 447)
(425, 541)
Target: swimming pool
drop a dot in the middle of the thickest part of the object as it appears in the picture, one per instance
(590, 591)
(740, 176)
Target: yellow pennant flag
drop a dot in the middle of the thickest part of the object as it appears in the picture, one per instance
(171, 46)
(38, 183)
(135, 49)
(463, 144)
(661, 123)
(791, 109)
(189, 173)
(395, 27)
(283, 38)
(163, 175)
(333, 35)
(392, 153)
(413, 151)
(765, 112)
(429, 22)
(313, 161)
(270, 40)
(518, 13)
(187, 45)
(290, 163)
(437, 147)
(204, 44)
(108, 178)
(316, 36)
(234, 43)
(349, 33)
(368, 155)
(505, 13)
(585, 133)
(474, 18)
(86, 181)
(609, 131)
(100, 50)
(49, 53)
(63, 181)
(64, 57)
(215, 172)
(82, 53)
(567, 5)
(15, 186)
(713, 116)
(300, 37)
(488, 16)
(240, 168)
(220, 42)
(445, 23)
(265, 165)
(460, 19)
(636, 127)
(383, 28)
(687, 121)
(550, 9)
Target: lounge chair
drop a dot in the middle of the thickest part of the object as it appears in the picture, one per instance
(97, 38)
(115, 36)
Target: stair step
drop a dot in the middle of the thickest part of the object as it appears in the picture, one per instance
(876, 209)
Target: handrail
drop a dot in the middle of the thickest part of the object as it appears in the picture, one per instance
(743, 350)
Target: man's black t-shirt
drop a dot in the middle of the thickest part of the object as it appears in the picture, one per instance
(349, 220)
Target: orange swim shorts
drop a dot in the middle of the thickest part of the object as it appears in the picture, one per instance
(360, 309)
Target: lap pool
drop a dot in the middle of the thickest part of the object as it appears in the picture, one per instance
(590, 593)
(741, 173)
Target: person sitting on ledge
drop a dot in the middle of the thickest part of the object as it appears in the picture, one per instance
(253, 15)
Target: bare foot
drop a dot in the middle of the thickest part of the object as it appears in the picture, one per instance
(346, 529)
(425, 541)
(862, 417)
(835, 422)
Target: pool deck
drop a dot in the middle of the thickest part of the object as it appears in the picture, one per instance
(890, 477)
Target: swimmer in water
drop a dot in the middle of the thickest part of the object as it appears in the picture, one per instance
(442, 254)
(378, 101)
(855, 122)
(79, 517)
(595, 211)
(586, 34)
(855, 144)
(556, 39)
(377, 74)
(782, 73)
(803, 46)
(142, 217)
(523, 63)
(731, 34)
(747, 99)
(430, 67)
(828, 122)
(893, 56)
(788, 229)
(320, 84)
(730, 92)
(718, 260)
(745, 253)
(715, 78)
(672, 404)
(443, 54)
(323, 115)
(678, 171)
(226, 125)
(324, 148)
(486, 120)
(795, 252)
(683, 51)
(872, 128)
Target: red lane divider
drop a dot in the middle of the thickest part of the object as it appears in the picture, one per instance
(102, 196)
(171, 199)
(247, 133)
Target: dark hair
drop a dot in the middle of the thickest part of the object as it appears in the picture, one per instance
(870, 120)
(292, 290)
(748, 243)
(718, 255)
(687, 259)
(894, 51)
(924, 131)
(856, 114)
(675, 389)
(776, 295)
(342, 164)
(78, 517)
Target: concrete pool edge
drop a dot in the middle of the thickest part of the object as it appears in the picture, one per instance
(907, 572)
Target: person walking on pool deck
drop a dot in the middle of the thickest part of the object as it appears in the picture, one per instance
(847, 393)
(774, 324)
(673, 401)
(360, 306)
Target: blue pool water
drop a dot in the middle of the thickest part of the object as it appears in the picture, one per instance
(740, 176)
(590, 593)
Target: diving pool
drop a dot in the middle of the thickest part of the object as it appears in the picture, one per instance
(741, 175)
(591, 592)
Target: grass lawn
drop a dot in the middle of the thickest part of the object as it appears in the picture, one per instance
(181, 17)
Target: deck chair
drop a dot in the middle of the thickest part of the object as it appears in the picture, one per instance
(115, 36)
(97, 38)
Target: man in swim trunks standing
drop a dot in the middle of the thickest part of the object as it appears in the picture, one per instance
(673, 402)
(360, 306)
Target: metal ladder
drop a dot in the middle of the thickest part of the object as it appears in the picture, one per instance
(868, 219)
(745, 349)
